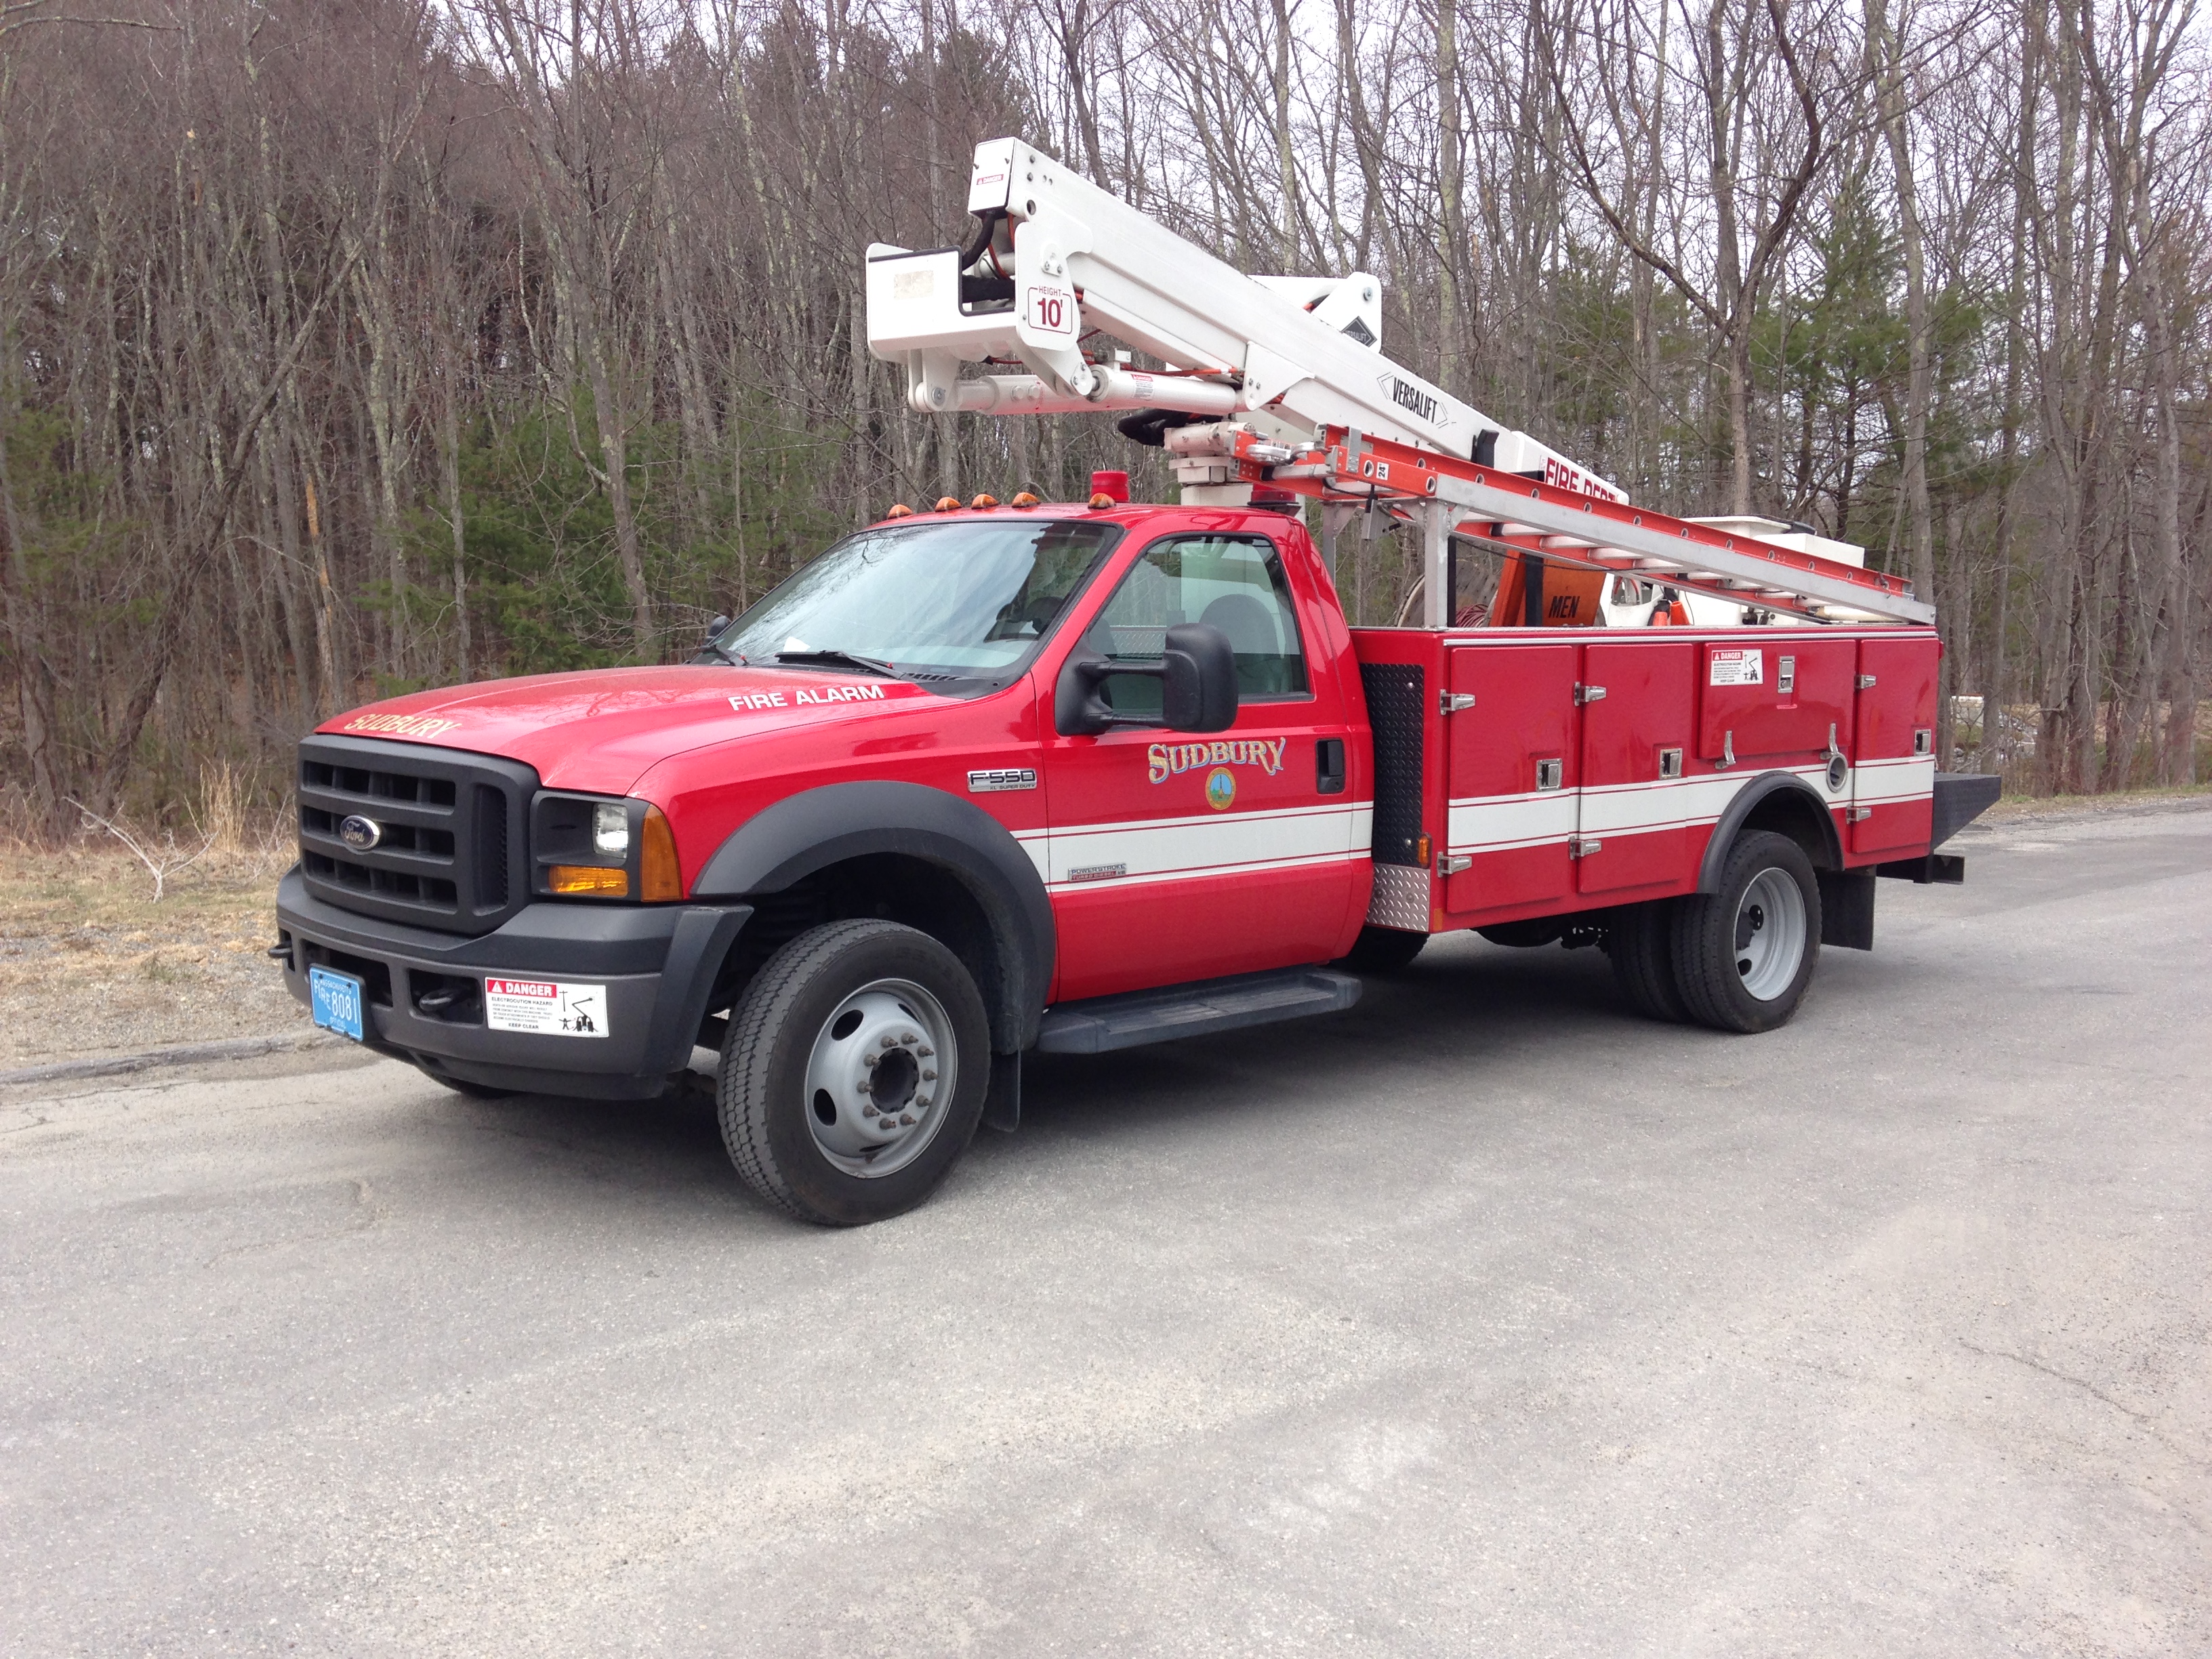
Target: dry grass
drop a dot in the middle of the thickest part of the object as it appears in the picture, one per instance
(91, 963)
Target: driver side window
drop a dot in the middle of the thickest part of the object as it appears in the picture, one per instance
(1234, 583)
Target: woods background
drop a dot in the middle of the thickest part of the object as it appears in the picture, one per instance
(355, 346)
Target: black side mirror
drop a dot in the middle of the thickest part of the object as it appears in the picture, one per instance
(1199, 679)
(1197, 672)
(714, 629)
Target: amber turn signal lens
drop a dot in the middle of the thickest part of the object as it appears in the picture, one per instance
(588, 881)
(899, 510)
(663, 878)
(1024, 500)
(948, 503)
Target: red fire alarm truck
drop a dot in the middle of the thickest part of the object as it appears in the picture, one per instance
(1068, 777)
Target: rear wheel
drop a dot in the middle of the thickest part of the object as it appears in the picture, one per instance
(853, 1072)
(1528, 935)
(1641, 943)
(1382, 950)
(1744, 954)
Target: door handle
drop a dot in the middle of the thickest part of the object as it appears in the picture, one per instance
(1328, 766)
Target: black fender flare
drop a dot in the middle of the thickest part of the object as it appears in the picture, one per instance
(817, 827)
(1763, 787)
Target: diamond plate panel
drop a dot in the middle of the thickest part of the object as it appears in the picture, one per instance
(1401, 898)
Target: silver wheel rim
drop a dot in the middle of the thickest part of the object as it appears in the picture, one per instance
(1769, 934)
(880, 1078)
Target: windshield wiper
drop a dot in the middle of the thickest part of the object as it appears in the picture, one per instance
(834, 659)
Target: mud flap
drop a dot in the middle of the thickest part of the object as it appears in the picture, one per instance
(1002, 1101)
(1846, 908)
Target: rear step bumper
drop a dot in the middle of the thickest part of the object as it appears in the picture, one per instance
(1136, 1018)
(1960, 797)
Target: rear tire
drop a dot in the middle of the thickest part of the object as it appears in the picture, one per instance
(853, 1072)
(1641, 945)
(1382, 950)
(1744, 954)
(1530, 935)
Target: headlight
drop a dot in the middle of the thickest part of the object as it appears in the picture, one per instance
(611, 829)
(585, 848)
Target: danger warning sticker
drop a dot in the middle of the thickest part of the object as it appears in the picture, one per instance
(1737, 667)
(544, 1007)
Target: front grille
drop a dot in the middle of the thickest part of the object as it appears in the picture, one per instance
(446, 822)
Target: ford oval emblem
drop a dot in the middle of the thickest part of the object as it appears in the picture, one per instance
(360, 833)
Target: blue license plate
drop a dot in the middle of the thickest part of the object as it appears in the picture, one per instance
(336, 1001)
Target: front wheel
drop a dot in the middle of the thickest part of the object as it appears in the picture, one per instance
(1744, 954)
(853, 1072)
(1382, 950)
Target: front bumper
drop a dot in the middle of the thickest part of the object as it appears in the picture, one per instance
(657, 964)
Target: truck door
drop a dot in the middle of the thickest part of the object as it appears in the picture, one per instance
(1893, 774)
(1512, 769)
(1177, 856)
(1638, 719)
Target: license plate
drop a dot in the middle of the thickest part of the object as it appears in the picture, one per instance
(335, 1000)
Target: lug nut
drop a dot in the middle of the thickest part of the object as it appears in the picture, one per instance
(890, 1041)
(928, 1076)
(907, 1037)
(868, 1111)
(906, 1120)
(922, 1102)
(926, 1051)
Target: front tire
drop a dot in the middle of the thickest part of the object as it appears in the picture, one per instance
(1382, 950)
(853, 1072)
(1744, 954)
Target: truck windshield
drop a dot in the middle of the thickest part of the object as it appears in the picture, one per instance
(968, 600)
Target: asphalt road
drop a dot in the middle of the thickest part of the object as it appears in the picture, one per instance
(1483, 1319)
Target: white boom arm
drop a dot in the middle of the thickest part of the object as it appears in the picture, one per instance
(1299, 354)
(1291, 369)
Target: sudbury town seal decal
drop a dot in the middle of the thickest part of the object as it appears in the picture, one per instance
(1221, 789)
(1165, 760)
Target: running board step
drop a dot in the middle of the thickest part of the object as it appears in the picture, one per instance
(1100, 1024)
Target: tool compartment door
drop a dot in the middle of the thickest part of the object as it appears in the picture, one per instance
(1511, 770)
(1634, 819)
(1894, 777)
(1772, 696)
